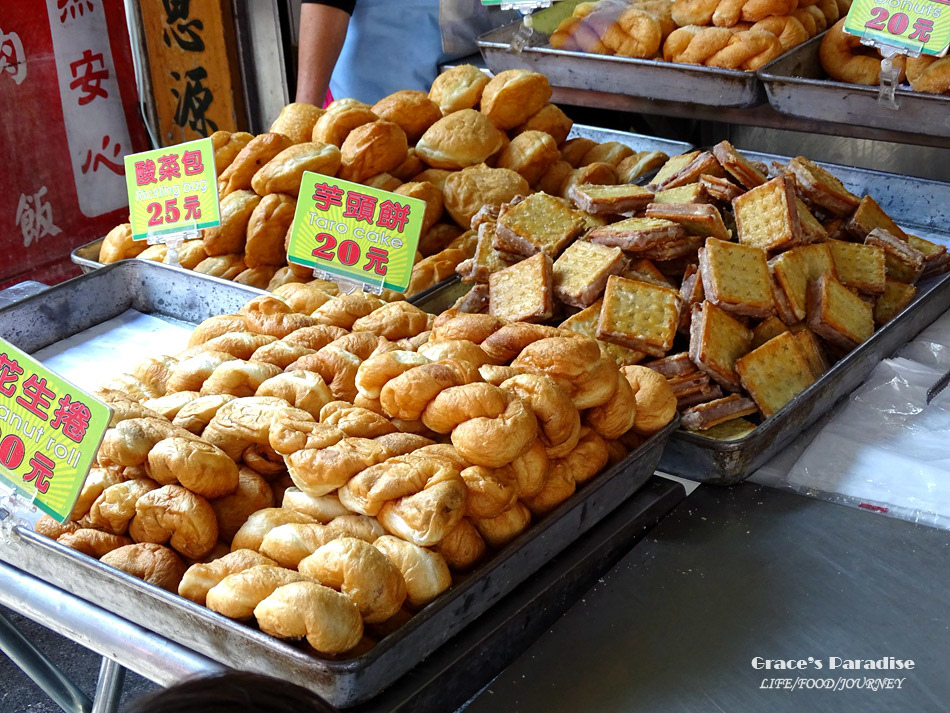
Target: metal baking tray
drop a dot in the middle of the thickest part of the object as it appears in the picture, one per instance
(921, 207)
(797, 85)
(88, 300)
(645, 78)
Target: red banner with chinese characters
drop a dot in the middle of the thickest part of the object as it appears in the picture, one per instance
(70, 114)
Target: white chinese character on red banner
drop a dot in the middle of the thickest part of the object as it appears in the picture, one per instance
(12, 58)
(35, 217)
(71, 7)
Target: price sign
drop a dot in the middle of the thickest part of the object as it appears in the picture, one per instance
(919, 27)
(355, 232)
(172, 190)
(49, 432)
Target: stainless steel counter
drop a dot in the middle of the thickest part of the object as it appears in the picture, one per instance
(734, 574)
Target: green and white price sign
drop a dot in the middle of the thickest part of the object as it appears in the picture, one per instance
(49, 433)
(918, 27)
(172, 190)
(355, 232)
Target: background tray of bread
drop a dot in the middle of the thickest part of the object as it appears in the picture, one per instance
(178, 295)
(645, 78)
(798, 85)
(922, 207)
(88, 256)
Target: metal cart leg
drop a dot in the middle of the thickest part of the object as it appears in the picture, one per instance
(44, 672)
(109, 688)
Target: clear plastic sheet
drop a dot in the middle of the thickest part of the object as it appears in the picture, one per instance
(883, 449)
(92, 357)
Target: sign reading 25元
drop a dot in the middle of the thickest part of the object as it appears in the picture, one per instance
(172, 190)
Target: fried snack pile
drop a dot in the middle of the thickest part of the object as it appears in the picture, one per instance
(326, 464)
(725, 34)
(471, 142)
(739, 288)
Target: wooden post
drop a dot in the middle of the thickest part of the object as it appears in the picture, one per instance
(193, 64)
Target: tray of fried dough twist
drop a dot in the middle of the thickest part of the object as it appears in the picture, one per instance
(179, 296)
(644, 78)
(797, 85)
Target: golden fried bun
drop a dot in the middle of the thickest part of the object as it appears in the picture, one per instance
(530, 154)
(231, 235)
(598, 173)
(361, 572)
(255, 154)
(425, 572)
(431, 194)
(227, 267)
(339, 120)
(258, 277)
(118, 244)
(513, 96)
(227, 146)
(412, 110)
(410, 167)
(656, 402)
(498, 531)
(94, 543)
(175, 515)
(330, 620)
(458, 88)
(266, 229)
(149, 562)
(574, 150)
(296, 121)
(383, 181)
(371, 149)
(555, 177)
(467, 191)
(463, 138)
(462, 547)
(201, 577)
(549, 119)
(154, 252)
(191, 253)
(199, 466)
(435, 176)
(239, 593)
(612, 152)
(232, 511)
(282, 173)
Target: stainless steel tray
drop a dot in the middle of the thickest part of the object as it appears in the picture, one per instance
(797, 85)
(81, 303)
(916, 204)
(645, 78)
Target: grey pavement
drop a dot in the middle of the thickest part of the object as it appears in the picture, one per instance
(18, 694)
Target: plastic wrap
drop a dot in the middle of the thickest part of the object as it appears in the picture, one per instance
(884, 449)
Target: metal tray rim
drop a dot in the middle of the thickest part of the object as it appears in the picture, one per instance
(348, 665)
(484, 41)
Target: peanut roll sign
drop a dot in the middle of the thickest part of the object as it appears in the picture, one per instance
(355, 232)
(49, 433)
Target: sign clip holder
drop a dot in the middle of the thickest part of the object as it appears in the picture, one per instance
(522, 38)
(12, 507)
(174, 241)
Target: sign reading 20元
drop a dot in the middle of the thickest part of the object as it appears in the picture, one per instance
(355, 232)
